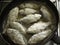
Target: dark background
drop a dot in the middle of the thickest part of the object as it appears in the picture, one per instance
(3, 4)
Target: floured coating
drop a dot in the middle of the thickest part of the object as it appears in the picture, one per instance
(30, 23)
(13, 14)
(39, 37)
(31, 18)
(27, 11)
(38, 27)
(18, 26)
(16, 36)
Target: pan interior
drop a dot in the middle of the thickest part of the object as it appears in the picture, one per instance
(29, 23)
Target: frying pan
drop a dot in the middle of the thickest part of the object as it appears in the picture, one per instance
(13, 4)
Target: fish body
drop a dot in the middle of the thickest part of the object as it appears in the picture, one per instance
(19, 27)
(38, 27)
(27, 11)
(13, 14)
(30, 18)
(39, 37)
(16, 36)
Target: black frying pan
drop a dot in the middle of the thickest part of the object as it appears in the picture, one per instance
(6, 10)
